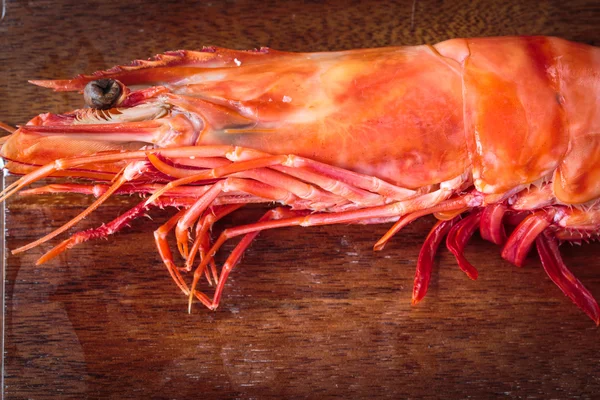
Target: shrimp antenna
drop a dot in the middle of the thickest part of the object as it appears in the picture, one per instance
(8, 129)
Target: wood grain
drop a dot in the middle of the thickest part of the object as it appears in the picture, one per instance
(310, 312)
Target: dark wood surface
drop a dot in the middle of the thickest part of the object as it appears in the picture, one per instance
(310, 312)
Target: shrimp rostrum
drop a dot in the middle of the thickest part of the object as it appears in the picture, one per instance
(498, 135)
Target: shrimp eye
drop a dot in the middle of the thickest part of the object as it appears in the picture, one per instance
(102, 94)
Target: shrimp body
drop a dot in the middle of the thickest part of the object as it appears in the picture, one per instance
(483, 133)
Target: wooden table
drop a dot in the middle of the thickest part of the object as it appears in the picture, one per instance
(310, 312)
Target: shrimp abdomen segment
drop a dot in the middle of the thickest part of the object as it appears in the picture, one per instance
(577, 179)
(517, 128)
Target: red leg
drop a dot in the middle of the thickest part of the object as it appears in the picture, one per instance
(211, 216)
(374, 214)
(361, 181)
(335, 186)
(356, 216)
(127, 175)
(192, 214)
(110, 228)
(563, 278)
(341, 184)
(160, 235)
(457, 239)
(141, 155)
(253, 165)
(128, 188)
(519, 243)
(426, 257)
(316, 198)
(229, 184)
(185, 195)
(69, 163)
(220, 172)
(491, 226)
(200, 164)
(448, 205)
(236, 254)
(213, 265)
